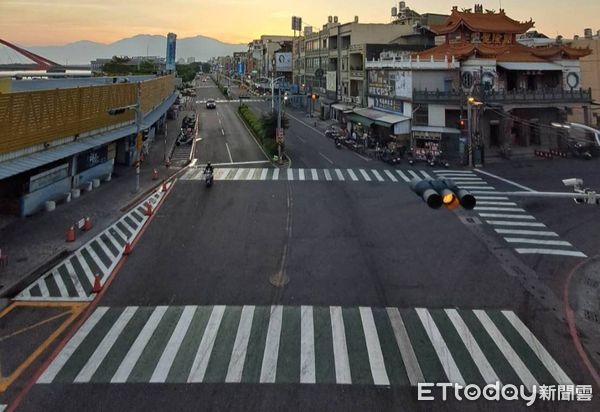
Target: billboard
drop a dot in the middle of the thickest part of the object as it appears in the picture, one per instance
(171, 51)
(390, 83)
(331, 83)
(283, 62)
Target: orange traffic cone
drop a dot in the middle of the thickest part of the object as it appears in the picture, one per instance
(154, 174)
(87, 225)
(148, 209)
(164, 185)
(97, 286)
(127, 250)
(71, 234)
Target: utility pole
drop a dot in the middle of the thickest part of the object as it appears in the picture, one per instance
(138, 124)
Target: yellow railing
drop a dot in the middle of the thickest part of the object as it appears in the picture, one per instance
(38, 117)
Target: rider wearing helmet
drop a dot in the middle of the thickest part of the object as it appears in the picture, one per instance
(208, 168)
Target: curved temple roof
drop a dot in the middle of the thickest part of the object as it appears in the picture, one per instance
(482, 22)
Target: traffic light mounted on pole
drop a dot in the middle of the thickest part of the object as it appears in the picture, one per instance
(442, 192)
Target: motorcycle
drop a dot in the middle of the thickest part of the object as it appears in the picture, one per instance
(338, 143)
(579, 150)
(332, 132)
(208, 178)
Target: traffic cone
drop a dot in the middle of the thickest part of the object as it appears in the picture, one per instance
(154, 174)
(71, 234)
(87, 225)
(97, 286)
(148, 209)
(164, 185)
(127, 250)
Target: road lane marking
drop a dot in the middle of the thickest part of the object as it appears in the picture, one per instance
(538, 241)
(43, 286)
(555, 252)
(206, 345)
(364, 175)
(61, 285)
(74, 279)
(290, 174)
(138, 346)
(301, 174)
(326, 158)
(275, 174)
(522, 224)
(314, 174)
(525, 232)
(510, 182)
(352, 175)
(161, 371)
(240, 347)
(486, 370)
(250, 175)
(327, 175)
(376, 361)
(340, 349)
(390, 175)
(507, 216)
(491, 197)
(94, 361)
(238, 174)
(555, 370)
(65, 354)
(340, 175)
(403, 176)
(413, 174)
(263, 174)
(413, 370)
(511, 356)
(268, 370)
(490, 188)
(307, 345)
(441, 349)
(377, 175)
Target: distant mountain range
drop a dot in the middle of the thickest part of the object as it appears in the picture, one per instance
(82, 52)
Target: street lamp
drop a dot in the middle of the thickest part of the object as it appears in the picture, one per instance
(138, 126)
(273, 91)
(471, 102)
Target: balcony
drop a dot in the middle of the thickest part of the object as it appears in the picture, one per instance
(514, 97)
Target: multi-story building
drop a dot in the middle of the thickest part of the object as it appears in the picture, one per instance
(590, 76)
(523, 89)
(331, 61)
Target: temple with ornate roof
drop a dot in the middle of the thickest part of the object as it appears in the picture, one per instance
(522, 89)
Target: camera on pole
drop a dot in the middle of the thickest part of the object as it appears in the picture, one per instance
(442, 192)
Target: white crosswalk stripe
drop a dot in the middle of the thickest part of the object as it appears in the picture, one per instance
(340, 175)
(269, 364)
(555, 252)
(364, 345)
(168, 356)
(525, 232)
(377, 175)
(314, 174)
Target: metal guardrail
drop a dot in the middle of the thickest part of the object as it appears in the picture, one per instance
(40, 117)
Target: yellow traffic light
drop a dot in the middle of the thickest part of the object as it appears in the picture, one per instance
(448, 197)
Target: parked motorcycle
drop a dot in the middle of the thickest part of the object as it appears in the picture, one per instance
(338, 143)
(579, 150)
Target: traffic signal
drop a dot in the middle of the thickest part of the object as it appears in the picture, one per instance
(442, 192)
(462, 124)
(314, 96)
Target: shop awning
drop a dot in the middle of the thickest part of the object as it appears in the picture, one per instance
(343, 107)
(530, 66)
(354, 118)
(435, 129)
(380, 118)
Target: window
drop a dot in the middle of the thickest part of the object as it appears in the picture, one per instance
(421, 115)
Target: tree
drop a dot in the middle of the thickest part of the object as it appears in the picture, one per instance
(205, 67)
(117, 65)
(269, 124)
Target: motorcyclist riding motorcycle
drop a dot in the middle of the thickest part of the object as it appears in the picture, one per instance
(208, 174)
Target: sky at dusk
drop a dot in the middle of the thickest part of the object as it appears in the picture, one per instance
(57, 22)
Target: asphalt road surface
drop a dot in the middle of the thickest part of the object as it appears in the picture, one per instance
(324, 286)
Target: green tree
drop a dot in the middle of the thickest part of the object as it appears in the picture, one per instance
(205, 67)
(117, 66)
(269, 124)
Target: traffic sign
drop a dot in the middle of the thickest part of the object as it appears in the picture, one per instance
(279, 135)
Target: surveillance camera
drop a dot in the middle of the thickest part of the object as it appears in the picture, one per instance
(573, 182)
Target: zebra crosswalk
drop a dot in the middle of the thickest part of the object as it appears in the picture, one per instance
(311, 175)
(73, 278)
(518, 228)
(303, 344)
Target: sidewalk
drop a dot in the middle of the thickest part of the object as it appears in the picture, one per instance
(33, 243)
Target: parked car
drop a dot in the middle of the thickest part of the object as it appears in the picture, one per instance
(211, 104)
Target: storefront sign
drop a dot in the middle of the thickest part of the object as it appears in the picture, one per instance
(390, 104)
(91, 158)
(390, 83)
(48, 177)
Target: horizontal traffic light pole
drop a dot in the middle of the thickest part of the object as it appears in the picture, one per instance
(590, 197)
(442, 192)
